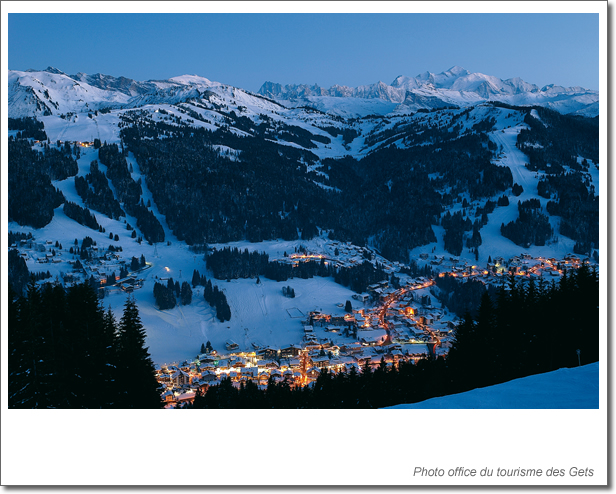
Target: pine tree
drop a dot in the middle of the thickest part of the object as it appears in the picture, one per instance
(137, 385)
(186, 293)
(196, 278)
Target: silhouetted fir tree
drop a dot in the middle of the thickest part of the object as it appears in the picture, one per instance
(134, 264)
(91, 348)
(196, 278)
(20, 377)
(33, 369)
(463, 353)
(226, 394)
(18, 273)
(137, 385)
(488, 352)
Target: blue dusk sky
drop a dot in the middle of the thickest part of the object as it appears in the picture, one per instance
(245, 50)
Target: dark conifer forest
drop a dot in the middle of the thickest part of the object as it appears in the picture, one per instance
(67, 352)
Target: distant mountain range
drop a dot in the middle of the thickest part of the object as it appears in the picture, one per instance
(456, 86)
(51, 91)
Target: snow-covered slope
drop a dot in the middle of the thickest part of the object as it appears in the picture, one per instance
(47, 93)
(572, 388)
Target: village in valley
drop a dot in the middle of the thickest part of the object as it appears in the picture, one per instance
(396, 324)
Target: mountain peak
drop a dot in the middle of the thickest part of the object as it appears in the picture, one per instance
(53, 70)
(457, 70)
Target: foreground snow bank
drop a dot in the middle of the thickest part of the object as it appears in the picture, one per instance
(576, 387)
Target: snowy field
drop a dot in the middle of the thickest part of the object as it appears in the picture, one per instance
(568, 388)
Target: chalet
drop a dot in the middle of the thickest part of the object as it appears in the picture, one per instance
(338, 320)
(267, 353)
(429, 319)
(362, 358)
(168, 396)
(180, 378)
(208, 377)
(318, 319)
(320, 362)
(231, 345)
(313, 373)
(290, 351)
(373, 340)
(188, 397)
(351, 348)
(312, 345)
(251, 373)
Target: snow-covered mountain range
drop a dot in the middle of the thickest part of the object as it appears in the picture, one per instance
(456, 86)
(52, 92)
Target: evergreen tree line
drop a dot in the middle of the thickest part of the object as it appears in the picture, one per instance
(32, 197)
(526, 330)
(208, 198)
(272, 198)
(98, 195)
(413, 269)
(231, 263)
(18, 274)
(288, 291)
(455, 225)
(65, 351)
(214, 297)
(461, 296)
(28, 127)
(561, 138)
(532, 227)
(15, 237)
(217, 299)
(574, 200)
(83, 216)
(129, 192)
(166, 295)
(553, 145)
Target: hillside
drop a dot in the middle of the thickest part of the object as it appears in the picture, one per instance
(569, 388)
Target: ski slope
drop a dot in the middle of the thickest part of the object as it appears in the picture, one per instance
(568, 388)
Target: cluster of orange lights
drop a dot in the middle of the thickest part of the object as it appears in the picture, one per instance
(307, 256)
